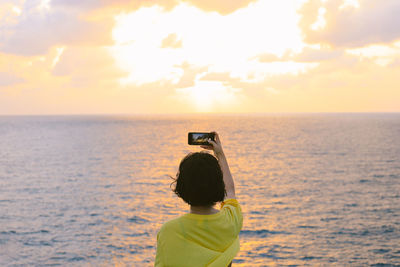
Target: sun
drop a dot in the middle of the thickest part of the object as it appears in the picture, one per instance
(210, 96)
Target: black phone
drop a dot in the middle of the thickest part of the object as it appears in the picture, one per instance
(200, 138)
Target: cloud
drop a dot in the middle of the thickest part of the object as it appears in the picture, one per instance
(171, 41)
(190, 75)
(220, 43)
(336, 76)
(83, 65)
(342, 84)
(116, 6)
(335, 70)
(348, 26)
(172, 56)
(223, 7)
(38, 29)
(8, 79)
(267, 57)
(307, 54)
(383, 55)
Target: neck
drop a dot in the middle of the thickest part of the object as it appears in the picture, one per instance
(204, 210)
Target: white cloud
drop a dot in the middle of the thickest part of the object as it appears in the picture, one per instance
(59, 50)
(221, 43)
(350, 4)
(320, 23)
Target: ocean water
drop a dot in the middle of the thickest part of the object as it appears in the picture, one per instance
(315, 189)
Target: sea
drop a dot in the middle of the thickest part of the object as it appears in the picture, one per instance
(316, 189)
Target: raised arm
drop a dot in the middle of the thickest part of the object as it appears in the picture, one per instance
(219, 153)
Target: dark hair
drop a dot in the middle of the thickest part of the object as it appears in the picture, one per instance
(199, 181)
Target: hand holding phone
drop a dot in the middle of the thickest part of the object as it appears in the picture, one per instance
(215, 145)
(200, 138)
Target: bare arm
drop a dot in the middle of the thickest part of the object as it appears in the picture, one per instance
(228, 179)
(227, 176)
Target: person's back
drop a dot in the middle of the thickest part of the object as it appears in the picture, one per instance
(205, 236)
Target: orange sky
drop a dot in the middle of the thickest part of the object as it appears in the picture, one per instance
(170, 56)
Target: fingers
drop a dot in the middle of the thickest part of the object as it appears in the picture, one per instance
(216, 136)
(215, 133)
(212, 142)
(211, 146)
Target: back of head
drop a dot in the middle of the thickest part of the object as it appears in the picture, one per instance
(199, 180)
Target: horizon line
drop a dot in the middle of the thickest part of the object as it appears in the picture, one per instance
(202, 113)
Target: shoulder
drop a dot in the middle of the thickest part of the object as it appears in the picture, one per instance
(233, 212)
(170, 226)
(230, 202)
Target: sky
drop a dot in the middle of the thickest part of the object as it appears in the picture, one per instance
(199, 56)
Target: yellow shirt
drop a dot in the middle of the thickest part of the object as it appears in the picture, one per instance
(201, 240)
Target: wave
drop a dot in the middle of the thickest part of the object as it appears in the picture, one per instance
(262, 232)
(137, 219)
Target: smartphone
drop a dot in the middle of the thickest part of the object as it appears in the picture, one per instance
(200, 138)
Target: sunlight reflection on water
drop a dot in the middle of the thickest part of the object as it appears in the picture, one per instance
(314, 189)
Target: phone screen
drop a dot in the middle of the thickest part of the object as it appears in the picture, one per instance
(199, 138)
